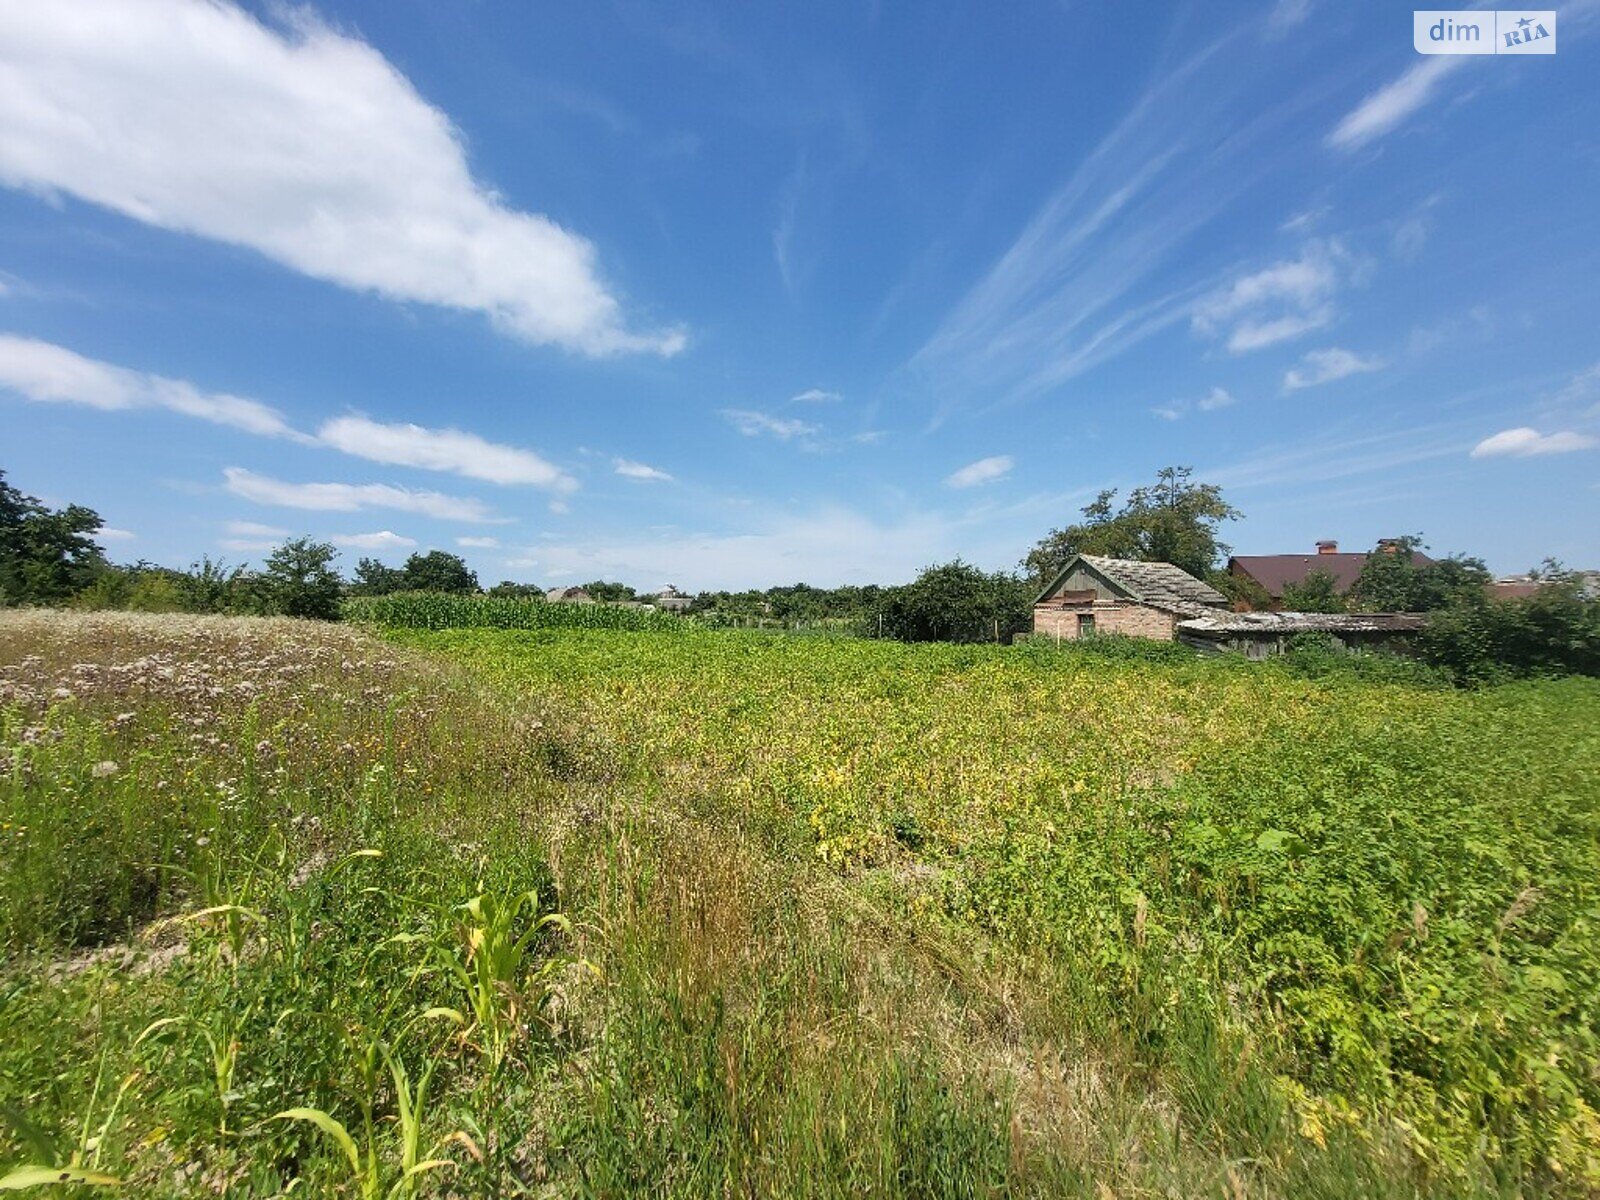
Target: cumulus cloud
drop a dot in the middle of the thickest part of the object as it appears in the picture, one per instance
(985, 470)
(1325, 366)
(297, 141)
(108, 534)
(450, 450)
(383, 539)
(51, 374)
(640, 471)
(1390, 106)
(758, 424)
(477, 543)
(1525, 442)
(1277, 303)
(351, 497)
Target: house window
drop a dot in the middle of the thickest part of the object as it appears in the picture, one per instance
(1085, 625)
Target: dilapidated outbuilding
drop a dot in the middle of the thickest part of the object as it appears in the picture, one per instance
(1093, 595)
(1263, 634)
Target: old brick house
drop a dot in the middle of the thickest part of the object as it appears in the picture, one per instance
(1091, 595)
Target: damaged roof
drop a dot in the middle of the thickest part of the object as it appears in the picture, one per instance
(1298, 622)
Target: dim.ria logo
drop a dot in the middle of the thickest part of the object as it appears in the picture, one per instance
(1484, 31)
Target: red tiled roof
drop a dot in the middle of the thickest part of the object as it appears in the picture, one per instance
(1274, 571)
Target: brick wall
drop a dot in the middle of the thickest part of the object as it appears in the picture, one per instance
(1134, 620)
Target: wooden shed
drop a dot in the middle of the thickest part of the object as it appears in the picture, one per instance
(1263, 634)
(1092, 595)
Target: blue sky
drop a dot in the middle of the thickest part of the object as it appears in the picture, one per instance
(747, 294)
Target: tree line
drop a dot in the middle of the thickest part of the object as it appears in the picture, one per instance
(50, 557)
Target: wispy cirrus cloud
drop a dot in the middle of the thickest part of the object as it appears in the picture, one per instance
(1325, 366)
(760, 424)
(1526, 442)
(478, 543)
(295, 140)
(452, 450)
(1396, 101)
(815, 396)
(1277, 303)
(351, 497)
(49, 374)
(249, 537)
(1113, 256)
(1213, 400)
(985, 470)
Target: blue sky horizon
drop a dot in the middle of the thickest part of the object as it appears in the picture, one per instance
(826, 293)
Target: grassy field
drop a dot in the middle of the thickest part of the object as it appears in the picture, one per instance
(593, 912)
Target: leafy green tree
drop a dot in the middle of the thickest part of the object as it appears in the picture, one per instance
(609, 593)
(506, 589)
(299, 580)
(45, 554)
(438, 571)
(211, 586)
(1391, 579)
(373, 578)
(957, 602)
(1172, 520)
(1318, 592)
(1554, 632)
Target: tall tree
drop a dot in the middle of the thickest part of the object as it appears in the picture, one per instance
(373, 578)
(438, 571)
(45, 554)
(1172, 520)
(299, 580)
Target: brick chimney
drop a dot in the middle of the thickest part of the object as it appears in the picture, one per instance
(1328, 547)
(1389, 545)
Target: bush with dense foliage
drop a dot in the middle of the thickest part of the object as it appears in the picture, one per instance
(957, 602)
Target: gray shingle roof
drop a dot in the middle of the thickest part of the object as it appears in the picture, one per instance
(1158, 584)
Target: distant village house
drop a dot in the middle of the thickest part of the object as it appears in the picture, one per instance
(1274, 572)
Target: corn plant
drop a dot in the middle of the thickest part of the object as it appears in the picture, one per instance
(372, 1167)
(488, 961)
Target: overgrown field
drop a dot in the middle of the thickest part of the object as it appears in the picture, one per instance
(835, 918)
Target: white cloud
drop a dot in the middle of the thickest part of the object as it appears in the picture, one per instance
(1285, 300)
(442, 450)
(639, 471)
(477, 543)
(383, 539)
(1325, 366)
(815, 396)
(1214, 399)
(298, 141)
(108, 534)
(351, 497)
(1390, 105)
(755, 424)
(255, 529)
(48, 373)
(1524, 442)
(985, 470)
